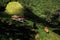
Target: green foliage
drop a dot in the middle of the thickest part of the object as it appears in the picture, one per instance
(44, 9)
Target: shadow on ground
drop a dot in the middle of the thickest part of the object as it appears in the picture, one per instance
(21, 33)
(31, 16)
(57, 31)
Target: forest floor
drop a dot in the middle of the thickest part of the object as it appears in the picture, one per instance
(48, 36)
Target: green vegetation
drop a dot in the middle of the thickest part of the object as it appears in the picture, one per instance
(41, 12)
